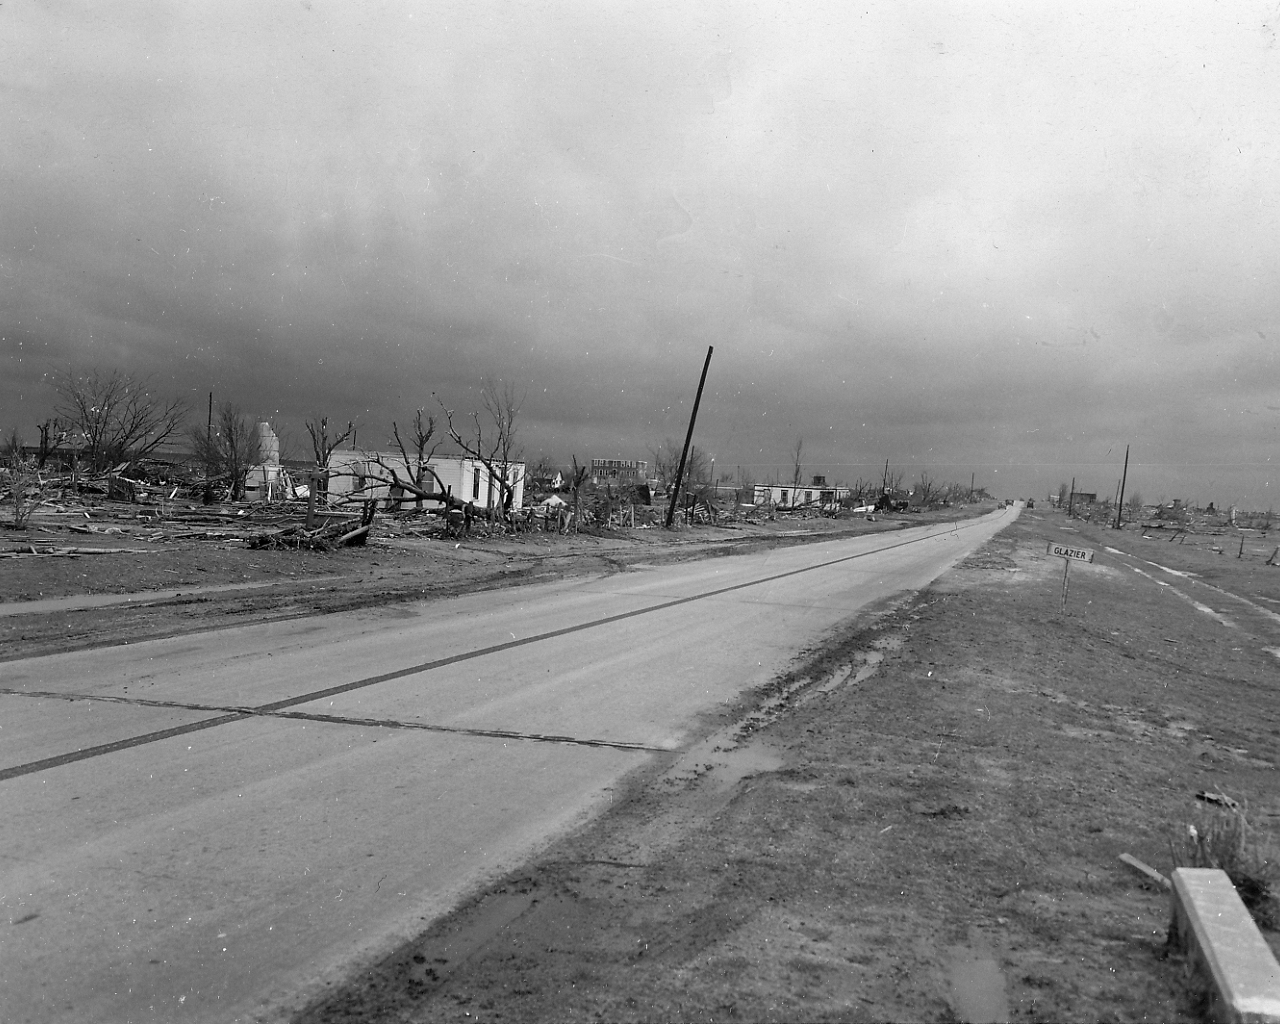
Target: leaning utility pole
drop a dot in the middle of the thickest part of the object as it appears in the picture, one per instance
(688, 439)
(1071, 498)
(1123, 478)
(207, 498)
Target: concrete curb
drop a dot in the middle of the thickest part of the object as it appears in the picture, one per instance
(1226, 954)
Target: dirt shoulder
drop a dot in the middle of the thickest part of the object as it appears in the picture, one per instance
(922, 822)
(125, 549)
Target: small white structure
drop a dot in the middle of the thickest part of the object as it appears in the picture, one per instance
(358, 475)
(817, 494)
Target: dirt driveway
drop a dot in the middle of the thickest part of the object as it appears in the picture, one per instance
(922, 822)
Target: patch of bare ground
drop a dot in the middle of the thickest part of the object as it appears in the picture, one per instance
(921, 822)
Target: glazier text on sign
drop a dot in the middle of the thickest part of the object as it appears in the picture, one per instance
(1067, 551)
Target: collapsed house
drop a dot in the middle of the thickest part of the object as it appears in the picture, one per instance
(364, 476)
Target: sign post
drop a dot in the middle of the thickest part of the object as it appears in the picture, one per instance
(1069, 553)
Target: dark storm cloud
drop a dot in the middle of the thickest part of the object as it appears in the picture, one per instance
(951, 235)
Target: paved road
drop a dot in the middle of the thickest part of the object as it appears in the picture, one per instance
(210, 827)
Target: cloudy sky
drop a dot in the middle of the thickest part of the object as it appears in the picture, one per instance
(992, 238)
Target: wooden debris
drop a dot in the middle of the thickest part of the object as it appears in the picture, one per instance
(322, 538)
(29, 550)
(1145, 869)
(1219, 799)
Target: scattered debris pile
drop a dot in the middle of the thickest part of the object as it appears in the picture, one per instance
(321, 538)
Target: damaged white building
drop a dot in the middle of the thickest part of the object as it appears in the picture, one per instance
(362, 475)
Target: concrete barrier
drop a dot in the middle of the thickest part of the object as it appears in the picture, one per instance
(1226, 954)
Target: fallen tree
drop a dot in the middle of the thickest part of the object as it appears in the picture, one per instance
(393, 479)
(339, 534)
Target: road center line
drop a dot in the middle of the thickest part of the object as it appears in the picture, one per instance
(274, 708)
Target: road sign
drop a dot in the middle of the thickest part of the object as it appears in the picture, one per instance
(1068, 551)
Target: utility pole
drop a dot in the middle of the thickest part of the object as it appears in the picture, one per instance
(1071, 498)
(207, 498)
(688, 439)
(1124, 477)
(972, 477)
(884, 484)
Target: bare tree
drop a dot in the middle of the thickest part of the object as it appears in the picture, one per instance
(665, 458)
(543, 469)
(926, 490)
(289, 447)
(1063, 490)
(228, 449)
(797, 459)
(666, 463)
(422, 433)
(493, 439)
(52, 436)
(27, 485)
(324, 445)
(13, 445)
(1135, 505)
(118, 416)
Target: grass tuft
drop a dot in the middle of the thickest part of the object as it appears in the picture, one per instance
(1225, 840)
